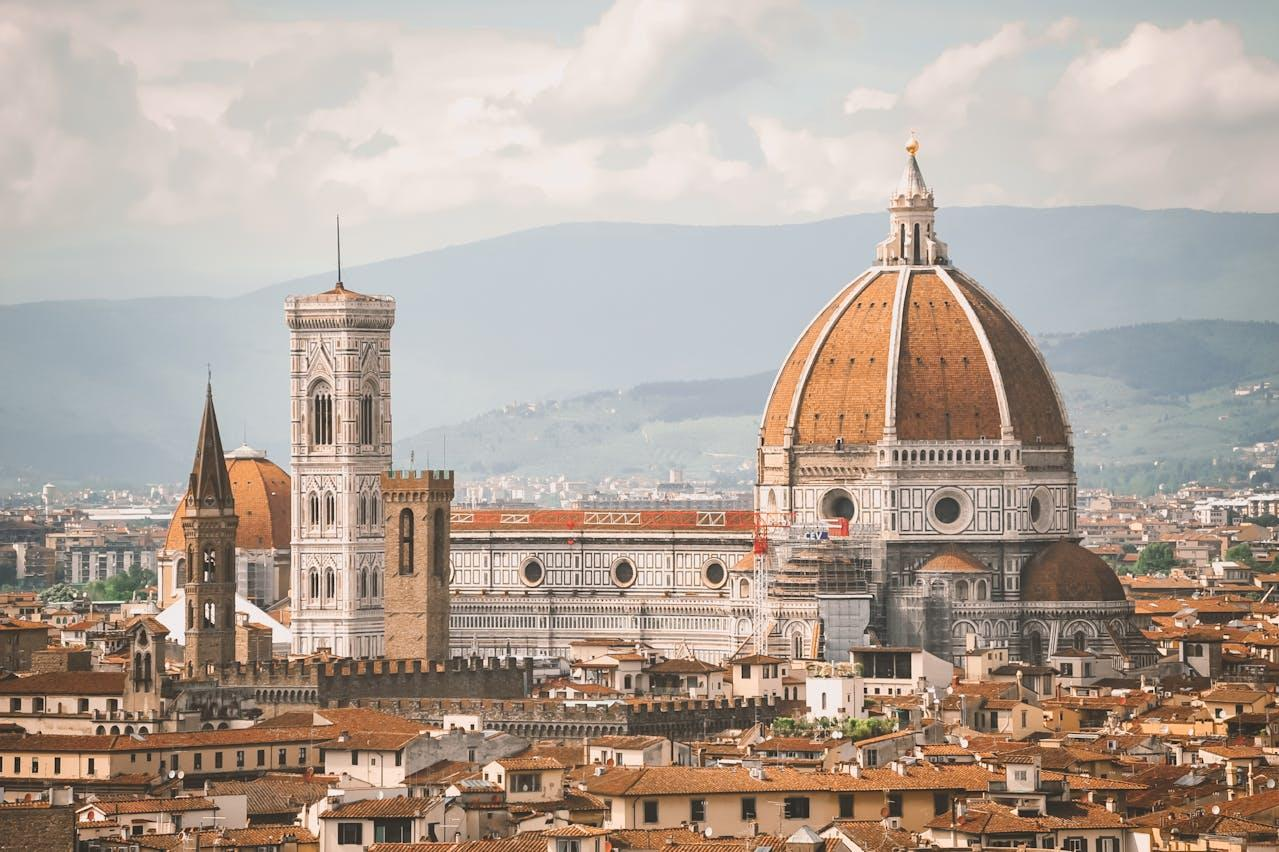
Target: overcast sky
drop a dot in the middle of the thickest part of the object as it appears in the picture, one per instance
(203, 146)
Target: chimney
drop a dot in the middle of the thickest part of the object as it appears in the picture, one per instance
(855, 770)
(1110, 804)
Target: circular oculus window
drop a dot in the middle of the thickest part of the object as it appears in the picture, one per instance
(950, 510)
(1041, 509)
(838, 503)
(532, 573)
(623, 573)
(714, 575)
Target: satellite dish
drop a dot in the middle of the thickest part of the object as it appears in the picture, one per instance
(172, 774)
(708, 831)
(834, 735)
(181, 775)
(1216, 810)
(963, 742)
(1270, 784)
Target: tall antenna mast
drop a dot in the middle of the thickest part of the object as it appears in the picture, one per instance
(339, 230)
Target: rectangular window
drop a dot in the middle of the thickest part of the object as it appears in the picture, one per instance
(261, 757)
(393, 831)
(1107, 844)
(894, 804)
(399, 758)
(83, 705)
(15, 705)
(1075, 844)
(355, 758)
(941, 803)
(302, 756)
(350, 834)
(282, 757)
(748, 808)
(526, 782)
(57, 766)
(697, 810)
(568, 845)
(197, 761)
(35, 765)
(796, 807)
(91, 767)
(871, 758)
(217, 760)
(746, 671)
(845, 805)
(239, 760)
(650, 811)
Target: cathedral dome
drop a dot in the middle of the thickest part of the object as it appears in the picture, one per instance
(261, 492)
(915, 350)
(1064, 571)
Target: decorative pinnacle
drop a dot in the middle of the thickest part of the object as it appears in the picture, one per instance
(912, 144)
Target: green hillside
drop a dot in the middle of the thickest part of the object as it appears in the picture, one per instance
(1150, 405)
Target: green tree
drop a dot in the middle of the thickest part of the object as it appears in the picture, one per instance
(59, 592)
(1266, 520)
(122, 586)
(861, 729)
(1156, 556)
(1241, 553)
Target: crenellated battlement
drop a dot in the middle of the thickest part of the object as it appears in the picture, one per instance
(345, 682)
(394, 475)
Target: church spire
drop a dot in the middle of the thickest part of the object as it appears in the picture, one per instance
(210, 484)
(911, 239)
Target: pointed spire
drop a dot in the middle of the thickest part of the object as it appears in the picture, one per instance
(210, 485)
(912, 183)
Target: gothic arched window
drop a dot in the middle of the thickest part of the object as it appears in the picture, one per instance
(315, 509)
(406, 541)
(364, 583)
(330, 509)
(367, 418)
(1079, 640)
(315, 585)
(321, 415)
(373, 584)
(916, 245)
(361, 510)
(330, 584)
(439, 542)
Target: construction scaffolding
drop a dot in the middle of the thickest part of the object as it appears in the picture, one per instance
(823, 564)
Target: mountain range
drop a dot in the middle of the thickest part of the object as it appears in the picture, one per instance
(109, 390)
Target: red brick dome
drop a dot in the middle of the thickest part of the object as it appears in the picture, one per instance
(919, 351)
(261, 492)
(1064, 571)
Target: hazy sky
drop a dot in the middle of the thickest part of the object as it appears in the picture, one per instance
(203, 146)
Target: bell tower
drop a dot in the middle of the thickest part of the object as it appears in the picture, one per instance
(208, 523)
(418, 520)
(340, 376)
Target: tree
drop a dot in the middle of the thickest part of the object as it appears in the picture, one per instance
(122, 586)
(1156, 556)
(1242, 554)
(59, 593)
(1266, 520)
(861, 729)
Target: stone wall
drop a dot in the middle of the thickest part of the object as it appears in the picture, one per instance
(553, 718)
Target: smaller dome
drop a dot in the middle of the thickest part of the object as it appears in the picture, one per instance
(953, 559)
(1064, 571)
(262, 504)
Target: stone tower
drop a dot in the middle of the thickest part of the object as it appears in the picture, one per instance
(417, 563)
(340, 366)
(208, 524)
(142, 685)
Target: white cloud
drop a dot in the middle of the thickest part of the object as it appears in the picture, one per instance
(647, 59)
(1164, 117)
(946, 86)
(863, 98)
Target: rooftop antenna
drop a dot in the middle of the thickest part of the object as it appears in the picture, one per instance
(338, 217)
